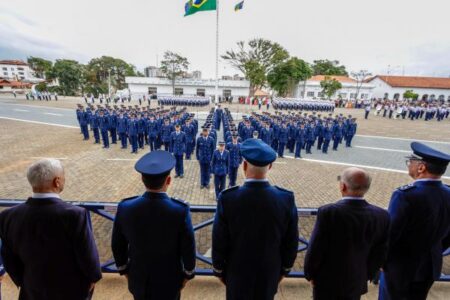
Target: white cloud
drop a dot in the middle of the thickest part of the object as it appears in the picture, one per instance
(362, 35)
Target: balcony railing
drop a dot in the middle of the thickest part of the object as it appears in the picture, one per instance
(105, 211)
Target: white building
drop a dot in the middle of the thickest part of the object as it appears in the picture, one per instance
(312, 88)
(393, 87)
(16, 70)
(140, 86)
(152, 71)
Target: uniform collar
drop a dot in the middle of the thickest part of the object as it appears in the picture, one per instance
(45, 195)
(256, 180)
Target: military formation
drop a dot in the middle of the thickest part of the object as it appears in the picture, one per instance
(195, 101)
(302, 104)
(411, 111)
(296, 132)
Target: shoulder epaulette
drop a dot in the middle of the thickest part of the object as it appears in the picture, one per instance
(230, 189)
(127, 199)
(185, 203)
(406, 187)
(282, 189)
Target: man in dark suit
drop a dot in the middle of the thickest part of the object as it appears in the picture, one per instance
(420, 228)
(47, 245)
(349, 242)
(255, 233)
(153, 239)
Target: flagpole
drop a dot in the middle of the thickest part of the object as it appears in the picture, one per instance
(216, 98)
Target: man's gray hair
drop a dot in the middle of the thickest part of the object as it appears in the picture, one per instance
(357, 180)
(44, 171)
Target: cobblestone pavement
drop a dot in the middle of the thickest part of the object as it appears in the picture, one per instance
(96, 174)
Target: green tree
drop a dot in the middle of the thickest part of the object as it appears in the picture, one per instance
(99, 70)
(69, 73)
(328, 67)
(174, 66)
(284, 77)
(40, 66)
(256, 59)
(41, 87)
(409, 94)
(330, 86)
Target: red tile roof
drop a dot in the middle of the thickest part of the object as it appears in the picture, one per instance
(13, 62)
(14, 84)
(415, 81)
(338, 78)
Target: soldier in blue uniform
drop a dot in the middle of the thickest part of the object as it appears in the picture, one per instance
(220, 165)
(357, 233)
(337, 134)
(255, 233)
(132, 127)
(327, 135)
(218, 114)
(141, 131)
(84, 120)
(113, 127)
(282, 139)
(122, 129)
(319, 134)
(153, 240)
(189, 130)
(152, 129)
(299, 140)
(94, 126)
(420, 228)
(351, 131)
(178, 148)
(266, 134)
(234, 148)
(166, 131)
(204, 151)
(309, 137)
(103, 122)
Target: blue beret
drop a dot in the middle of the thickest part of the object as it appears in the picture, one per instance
(155, 163)
(257, 153)
(430, 155)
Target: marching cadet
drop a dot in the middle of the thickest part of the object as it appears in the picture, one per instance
(266, 134)
(220, 165)
(255, 232)
(247, 131)
(152, 129)
(113, 126)
(178, 148)
(141, 130)
(234, 148)
(84, 120)
(204, 152)
(282, 139)
(319, 134)
(94, 126)
(276, 135)
(420, 228)
(132, 127)
(291, 137)
(309, 137)
(189, 130)
(327, 135)
(218, 115)
(337, 134)
(358, 234)
(122, 129)
(153, 239)
(351, 131)
(299, 140)
(104, 127)
(166, 131)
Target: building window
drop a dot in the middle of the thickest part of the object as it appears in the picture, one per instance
(352, 95)
(5, 69)
(310, 94)
(320, 94)
(152, 91)
(5, 73)
(441, 98)
(178, 91)
(20, 68)
(343, 95)
(201, 92)
(12, 69)
(21, 73)
(226, 93)
(22, 77)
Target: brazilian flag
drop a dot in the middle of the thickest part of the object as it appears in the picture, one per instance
(193, 6)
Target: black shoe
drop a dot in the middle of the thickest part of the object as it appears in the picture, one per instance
(202, 187)
(207, 186)
(181, 176)
(176, 176)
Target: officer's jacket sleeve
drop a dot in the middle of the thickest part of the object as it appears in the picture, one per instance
(86, 250)
(188, 245)
(197, 149)
(119, 244)
(13, 264)
(378, 253)
(318, 245)
(220, 239)
(446, 242)
(290, 240)
(399, 217)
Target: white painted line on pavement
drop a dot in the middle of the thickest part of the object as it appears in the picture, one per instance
(39, 106)
(24, 110)
(401, 139)
(382, 149)
(41, 157)
(53, 114)
(355, 165)
(41, 123)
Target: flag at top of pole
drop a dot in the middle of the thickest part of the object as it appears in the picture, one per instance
(193, 6)
(239, 6)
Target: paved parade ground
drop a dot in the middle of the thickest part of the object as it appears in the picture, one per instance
(30, 130)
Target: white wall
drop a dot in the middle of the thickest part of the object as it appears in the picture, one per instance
(347, 88)
(12, 71)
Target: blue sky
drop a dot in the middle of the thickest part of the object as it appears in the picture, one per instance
(410, 36)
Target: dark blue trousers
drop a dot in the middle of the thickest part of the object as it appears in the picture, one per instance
(298, 149)
(232, 175)
(413, 291)
(348, 141)
(219, 183)
(325, 145)
(152, 142)
(113, 135)
(336, 143)
(281, 149)
(85, 131)
(105, 138)
(179, 168)
(123, 139)
(204, 173)
(96, 135)
(134, 143)
(141, 140)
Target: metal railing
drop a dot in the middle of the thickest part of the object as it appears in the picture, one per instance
(101, 209)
